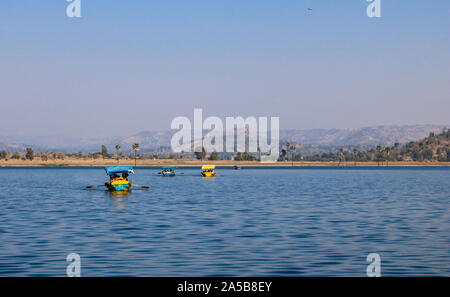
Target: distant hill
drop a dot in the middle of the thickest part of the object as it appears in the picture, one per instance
(435, 147)
(146, 140)
(368, 136)
(319, 140)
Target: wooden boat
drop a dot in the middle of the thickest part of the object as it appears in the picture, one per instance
(118, 183)
(237, 167)
(208, 170)
(168, 171)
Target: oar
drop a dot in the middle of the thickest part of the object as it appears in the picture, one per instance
(144, 187)
(90, 187)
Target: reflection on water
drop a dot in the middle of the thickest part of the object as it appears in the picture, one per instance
(252, 222)
(118, 199)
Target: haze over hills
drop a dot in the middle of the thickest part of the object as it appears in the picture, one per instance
(151, 140)
(367, 136)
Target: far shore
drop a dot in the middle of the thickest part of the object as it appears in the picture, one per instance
(196, 163)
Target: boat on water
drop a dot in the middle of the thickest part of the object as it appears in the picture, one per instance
(237, 167)
(119, 178)
(208, 170)
(168, 171)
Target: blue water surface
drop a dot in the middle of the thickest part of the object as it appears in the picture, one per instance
(252, 222)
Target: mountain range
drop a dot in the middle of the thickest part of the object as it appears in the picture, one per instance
(154, 140)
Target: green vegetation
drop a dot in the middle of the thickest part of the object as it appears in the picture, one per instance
(434, 148)
(201, 155)
(4, 155)
(104, 151)
(135, 148)
(291, 147)
(29, 154)
(117, 153)
(214, 156)
(244, 157)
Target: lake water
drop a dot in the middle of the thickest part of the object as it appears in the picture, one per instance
(253, 222)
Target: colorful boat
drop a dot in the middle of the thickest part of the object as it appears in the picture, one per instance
(119, 183)
(237, 167)
(208, 170)
(168, 171)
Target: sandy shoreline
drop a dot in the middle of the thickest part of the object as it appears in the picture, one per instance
(197, 163)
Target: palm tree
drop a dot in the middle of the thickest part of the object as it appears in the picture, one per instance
(355, 155)
(387, 150)
(379, 150)
(259, 153)
(288, 147)
(293, 148)
(104, 151)
(135, 148)
(118, 152)
(203, 154)
(340, 156)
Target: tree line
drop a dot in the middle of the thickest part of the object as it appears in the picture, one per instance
(432, 148)
(29, 154)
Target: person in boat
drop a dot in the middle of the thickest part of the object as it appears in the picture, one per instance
(125, 175)
(112, 178)
(167, 170)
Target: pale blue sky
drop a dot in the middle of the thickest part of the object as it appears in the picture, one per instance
(149, 61)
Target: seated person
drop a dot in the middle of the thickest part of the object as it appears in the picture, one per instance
(112, 178)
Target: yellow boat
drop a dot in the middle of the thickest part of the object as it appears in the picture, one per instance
(120, 185)
(208, 170)
(117, 183)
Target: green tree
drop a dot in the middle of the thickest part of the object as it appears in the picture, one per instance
(379, 154)
(201, 155)
(104, 151)
(135, 148)
(292, 149)
(283, 154)
(214, 156)
(341, 156)
(3, 154)
(118, 152)
(355, 155)
(387, 151)
(29, 154)
(288, 148)
(244, 157)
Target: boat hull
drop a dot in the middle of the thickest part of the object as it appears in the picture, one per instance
(208, 174)
(120, 185)
(168, 173)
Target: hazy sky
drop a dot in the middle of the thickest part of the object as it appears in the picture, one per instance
(145, 62)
